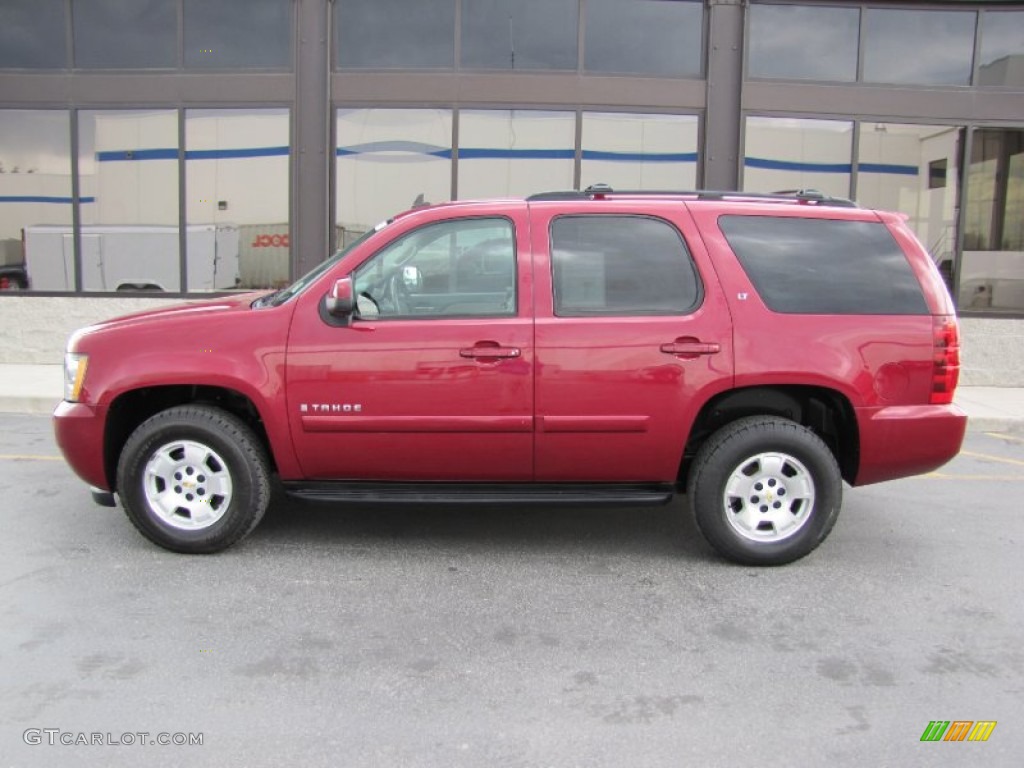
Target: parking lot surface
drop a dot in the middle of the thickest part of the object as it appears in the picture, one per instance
(412, 636)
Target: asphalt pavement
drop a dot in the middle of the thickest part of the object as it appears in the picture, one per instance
(410, 636)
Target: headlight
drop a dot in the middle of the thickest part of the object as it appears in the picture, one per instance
(74, 375)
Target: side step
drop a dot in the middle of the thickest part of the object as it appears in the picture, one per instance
(592, 494)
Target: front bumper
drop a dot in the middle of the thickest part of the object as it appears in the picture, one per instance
(78, 429)
(906, 440)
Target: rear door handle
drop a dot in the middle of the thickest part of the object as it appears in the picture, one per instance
(484, 350)
(689, 348)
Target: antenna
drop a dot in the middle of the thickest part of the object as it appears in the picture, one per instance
(511, 43)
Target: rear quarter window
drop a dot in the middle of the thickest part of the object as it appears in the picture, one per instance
(824, 266)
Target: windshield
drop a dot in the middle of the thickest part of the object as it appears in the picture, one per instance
(280, 297)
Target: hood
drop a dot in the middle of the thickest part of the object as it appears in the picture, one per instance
(191, 309)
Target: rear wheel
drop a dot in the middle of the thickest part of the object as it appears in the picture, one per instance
(194, 479)
(765, 491)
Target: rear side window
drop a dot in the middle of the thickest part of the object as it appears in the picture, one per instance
(621, 265)
(824, 266)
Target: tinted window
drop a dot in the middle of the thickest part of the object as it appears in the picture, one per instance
(620, 265)
(393, 34)
(519, 34)
(1002, 49)
(820, 266)
(238, 34)
(32, 34)
(461, 268)
(918, 46)
(126, 34)
(803, 42)
(656, 37)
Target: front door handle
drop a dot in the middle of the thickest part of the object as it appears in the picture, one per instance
(689, 348)
(489, 350)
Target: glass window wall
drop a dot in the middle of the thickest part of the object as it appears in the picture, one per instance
(645, 37)
(918, 47)
(914, 169)
(238, 34)
(515, 152)
(236, 181)
(789, 153)
(36, 248)
(519, 34)
(634, 151)
(394, 34)
(128, 176)
(387, 161)
(32, 34)
(125, 34)
(992, 268)
(796, 42)
(1001, 61)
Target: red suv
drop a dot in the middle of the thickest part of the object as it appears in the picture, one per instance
(593, 347)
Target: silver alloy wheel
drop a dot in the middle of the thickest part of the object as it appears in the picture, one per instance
(769, 497)
(187, 485)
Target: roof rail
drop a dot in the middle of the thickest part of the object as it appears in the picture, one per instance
(600, 191)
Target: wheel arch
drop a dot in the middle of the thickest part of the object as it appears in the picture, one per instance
(826, 412)
(131, 408)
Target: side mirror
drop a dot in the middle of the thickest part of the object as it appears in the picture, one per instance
(341, 301)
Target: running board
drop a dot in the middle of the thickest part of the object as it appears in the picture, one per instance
(483, 493)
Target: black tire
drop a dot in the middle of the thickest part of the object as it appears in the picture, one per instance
(765, 491)
(220, 465)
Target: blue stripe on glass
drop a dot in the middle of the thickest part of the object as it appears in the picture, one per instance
(640, 157)
(42, 199)
(109, 156)
(410, 147)
(482, 153)
(902, 170)
(788, 165)
(485, 153)
(136, 154)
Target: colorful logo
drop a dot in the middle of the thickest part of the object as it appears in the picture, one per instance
(958, 730)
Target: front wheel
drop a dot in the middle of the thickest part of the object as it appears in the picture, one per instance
(765, 491)
(193, 479)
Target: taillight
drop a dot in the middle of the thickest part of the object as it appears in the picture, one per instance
(945, 359)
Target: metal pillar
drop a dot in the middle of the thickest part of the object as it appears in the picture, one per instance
(722, 119)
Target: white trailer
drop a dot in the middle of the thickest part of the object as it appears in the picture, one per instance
(126, 258)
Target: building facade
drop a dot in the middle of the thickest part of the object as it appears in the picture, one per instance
(192, 145)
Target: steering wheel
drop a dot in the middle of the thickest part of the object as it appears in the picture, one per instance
(397, 294)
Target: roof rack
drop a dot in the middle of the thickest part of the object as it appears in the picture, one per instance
(601, 191)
